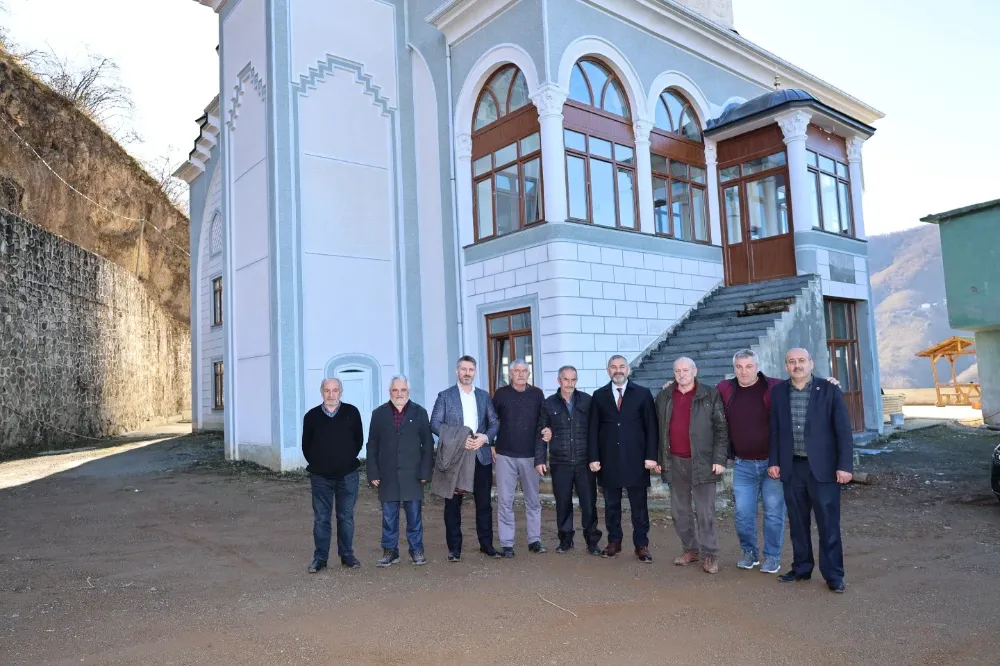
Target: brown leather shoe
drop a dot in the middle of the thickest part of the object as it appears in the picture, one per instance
(611, 549)
(686, 559)
(643, 554)
(710, 565)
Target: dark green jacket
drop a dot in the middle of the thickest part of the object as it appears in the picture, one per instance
(709, 431)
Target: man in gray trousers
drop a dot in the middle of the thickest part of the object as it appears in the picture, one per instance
(517, 408)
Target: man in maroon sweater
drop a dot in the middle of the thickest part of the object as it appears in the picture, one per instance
(747, 400)
(694, 442)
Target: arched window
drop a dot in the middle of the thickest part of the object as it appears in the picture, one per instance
(506, 157)
(600, 148)
(215, 238)
(675, 115)
(677, 157)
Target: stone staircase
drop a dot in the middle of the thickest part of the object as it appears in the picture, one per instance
(729, 319)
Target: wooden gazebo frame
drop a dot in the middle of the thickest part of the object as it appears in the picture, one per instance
(953, 393)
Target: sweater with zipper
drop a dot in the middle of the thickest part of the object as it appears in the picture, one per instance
(331, 444)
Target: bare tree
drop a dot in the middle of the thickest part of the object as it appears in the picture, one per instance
(176, 190)
(94, 87)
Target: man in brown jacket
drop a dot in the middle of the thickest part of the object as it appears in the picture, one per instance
(694, 444)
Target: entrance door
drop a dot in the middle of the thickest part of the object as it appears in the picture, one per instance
(758, 231)
(845, 359)
(357, 382)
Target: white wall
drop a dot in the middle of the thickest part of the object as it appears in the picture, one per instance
(347, 177)
(433, 258)
(836, 289)
(244, 69)
(211, 343)
(594, 301)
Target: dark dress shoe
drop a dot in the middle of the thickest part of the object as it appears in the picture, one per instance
(537, 547)
(792, 577)
(643, 554)
(489, 550)
(611, 549)
(316, 565)
(508, 552)
(350, 562)
(565, 547)
(837, 587)
(593, 549)
(454, 556)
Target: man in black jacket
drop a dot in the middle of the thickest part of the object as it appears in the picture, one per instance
(622, 445)
(400, 458)
(562, 443)
(332, 437)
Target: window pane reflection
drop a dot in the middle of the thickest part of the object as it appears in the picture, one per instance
(734, 223)
(507, 200)
(626, 198)
(828, 196)
(661, 214)
(576, 176)
(532, 190)
(484, 207)
(680, 210)
(698, 209)
(767, 207)
(602, 192)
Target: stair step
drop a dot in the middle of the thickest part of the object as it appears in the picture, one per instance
(697, 322)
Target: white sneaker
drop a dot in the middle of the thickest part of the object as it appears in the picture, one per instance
(748, 561)
(771, 565)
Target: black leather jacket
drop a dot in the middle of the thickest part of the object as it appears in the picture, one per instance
(569, 433)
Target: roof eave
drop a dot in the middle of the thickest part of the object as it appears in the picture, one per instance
(750, 122)
(938, 218)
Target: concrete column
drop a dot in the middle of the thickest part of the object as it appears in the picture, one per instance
(988, 360)
(854, 144)
(287, 371)
(644, 175)
(463, 189)
(549, 99)
(712, 186)
(793, 126)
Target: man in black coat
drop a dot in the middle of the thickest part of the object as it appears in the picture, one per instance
(622, 445)
(562, 444)
(812, 452)
(400, 457)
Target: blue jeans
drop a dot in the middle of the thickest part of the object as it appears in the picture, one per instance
(414, 525)
(324, 491)
(750, 484)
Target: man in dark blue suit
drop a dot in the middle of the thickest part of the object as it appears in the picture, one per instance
(812, 452)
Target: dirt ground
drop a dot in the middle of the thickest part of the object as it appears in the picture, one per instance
(165, 554)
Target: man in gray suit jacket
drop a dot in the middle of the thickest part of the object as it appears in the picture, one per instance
(464, 404)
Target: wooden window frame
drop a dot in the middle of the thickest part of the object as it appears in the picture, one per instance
(510, 334)
(587, 157)
(218, 386)
(742, 180)
(834, 343)
(814, 173)
(670, 179)
(597, 101)
(687, 109)
(510, 128)
(217, 301)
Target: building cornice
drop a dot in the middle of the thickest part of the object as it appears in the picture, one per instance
(639, 12)
(214, 4)
(458, 18)
(209, 125)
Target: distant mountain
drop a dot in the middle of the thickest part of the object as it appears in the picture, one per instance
(910, 309)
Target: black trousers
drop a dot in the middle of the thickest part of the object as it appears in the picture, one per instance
(564, 479)
(805, 495)
(482, 485)
(637, 502)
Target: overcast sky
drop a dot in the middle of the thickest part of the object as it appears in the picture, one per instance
(926, 64)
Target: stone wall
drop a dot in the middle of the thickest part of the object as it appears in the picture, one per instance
(83, 346)
(83, 154)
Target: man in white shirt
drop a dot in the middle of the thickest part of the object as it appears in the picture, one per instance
(464, 404)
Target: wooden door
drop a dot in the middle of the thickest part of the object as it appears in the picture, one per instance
(845, 361)
(758, 229)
